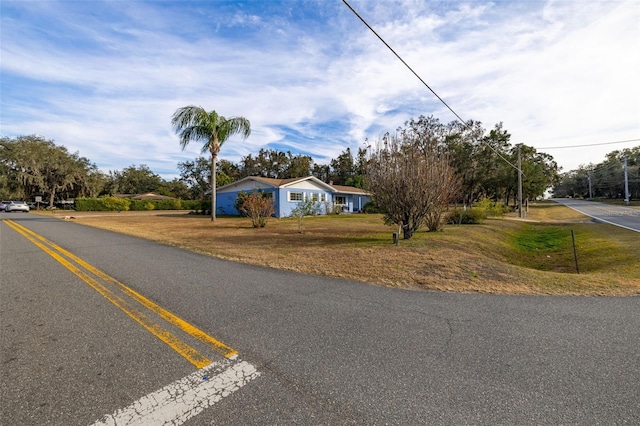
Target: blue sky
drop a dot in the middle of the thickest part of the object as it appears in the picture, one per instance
(104, 78)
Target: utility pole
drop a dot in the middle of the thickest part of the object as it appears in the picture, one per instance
(519, 183)
(626, 182)
(589, 179)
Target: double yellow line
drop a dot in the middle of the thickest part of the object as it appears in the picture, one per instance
(130, 302)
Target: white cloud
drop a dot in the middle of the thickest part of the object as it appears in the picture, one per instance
(105, 82)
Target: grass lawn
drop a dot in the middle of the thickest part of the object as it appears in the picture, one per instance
(499, 256)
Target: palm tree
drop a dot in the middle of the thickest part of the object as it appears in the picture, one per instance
(193, 123)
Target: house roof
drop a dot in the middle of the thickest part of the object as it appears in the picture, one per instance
(349, 190)
(147, 196)
(151, 196)
(272, 181)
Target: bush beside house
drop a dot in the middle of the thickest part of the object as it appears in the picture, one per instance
(111, 203)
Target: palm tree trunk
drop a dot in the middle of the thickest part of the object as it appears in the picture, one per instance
(214, 159)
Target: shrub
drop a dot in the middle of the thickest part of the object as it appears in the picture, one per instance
(240, 199)
(476, 214)
(258, 207)
(115, 203)
(109, 203)
(460, 216)
(167, 204)
(104, 203)
(138, 205)
(191, 204)
(491, 208)
(197, 206)
(371, 208)
(308, 207)
(434, 220)
(88, 204)
(331, 208)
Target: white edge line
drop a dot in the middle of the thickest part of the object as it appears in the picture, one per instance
(597, 218)
(185, 398)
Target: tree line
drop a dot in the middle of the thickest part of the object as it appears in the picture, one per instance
(603, 180)
(482, 161)
(34, 166)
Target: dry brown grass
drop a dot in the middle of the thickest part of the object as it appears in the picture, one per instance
(476, 258)
(551, 212)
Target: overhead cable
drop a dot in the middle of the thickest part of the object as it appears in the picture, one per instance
(464, 123)
(591, 144)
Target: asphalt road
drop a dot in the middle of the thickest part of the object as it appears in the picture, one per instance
(327, 351)
(624, 217)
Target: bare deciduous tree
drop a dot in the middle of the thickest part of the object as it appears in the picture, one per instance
(410, 176)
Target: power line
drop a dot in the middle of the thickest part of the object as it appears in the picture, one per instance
(403, 61)
(591, 144)
(425, 83)
(603, 167)
(599, 168)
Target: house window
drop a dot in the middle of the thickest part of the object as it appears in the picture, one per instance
(296, 196)
(323, 197)
(340, 199)
(268, 195)
(314, 197)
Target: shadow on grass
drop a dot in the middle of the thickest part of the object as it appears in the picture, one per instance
(185, 214)
(294, 239)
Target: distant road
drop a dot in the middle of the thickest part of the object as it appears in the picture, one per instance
(624, 217)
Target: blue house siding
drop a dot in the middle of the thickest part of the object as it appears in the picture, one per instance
(354, 198)
(287, 205)
(225, 202)
(302, 189)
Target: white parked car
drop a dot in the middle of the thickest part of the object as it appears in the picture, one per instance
(17, 206)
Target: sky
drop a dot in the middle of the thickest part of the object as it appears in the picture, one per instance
(103, 78)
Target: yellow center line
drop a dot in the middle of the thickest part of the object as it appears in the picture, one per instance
(211, 342)
(175, 343)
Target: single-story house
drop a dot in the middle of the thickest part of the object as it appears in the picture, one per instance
(288, 193)
(151, 196)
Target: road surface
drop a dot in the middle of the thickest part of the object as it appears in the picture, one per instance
(303, 349)
(624, 217)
